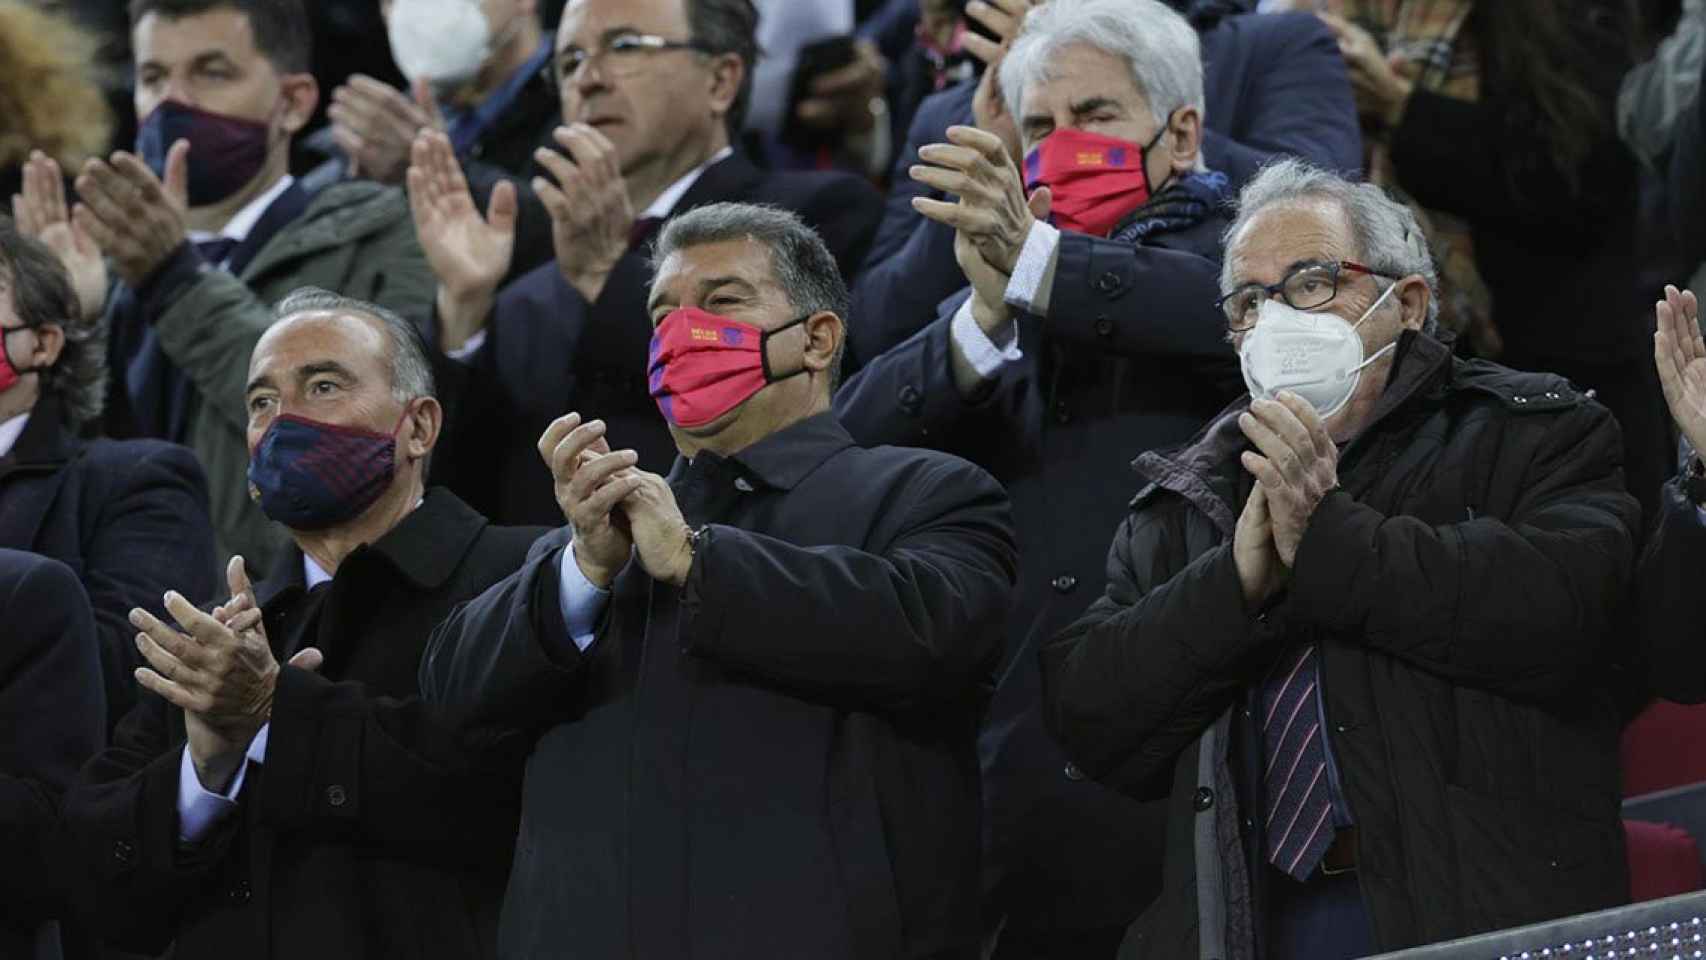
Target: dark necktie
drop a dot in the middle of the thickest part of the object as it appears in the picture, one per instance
(1299, 806)
(217, 250)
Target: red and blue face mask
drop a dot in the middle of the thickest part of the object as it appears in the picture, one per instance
(1095, 180)
(702, 366)
(310, 475)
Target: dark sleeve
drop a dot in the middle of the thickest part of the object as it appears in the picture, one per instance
(1688, 178)
(911, 266)
(1481, 162)
(907, 397)
(152, 535)
(52, 709)
(914, 623)
(1298, 102)
(132, 877)
(845, 213)
(390, 772)
(1518, 605)
(1158, 657)
(1671, 603)
(1147, 301)
(501, 664)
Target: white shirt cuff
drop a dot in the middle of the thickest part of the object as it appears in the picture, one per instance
(980, 351)
(469, 347)
(200, 809)
(582, 601)
(1025, 289)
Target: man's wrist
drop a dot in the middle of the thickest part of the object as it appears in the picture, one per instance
(216, 772)
(599, 576)
(461, 315)
(996, 322)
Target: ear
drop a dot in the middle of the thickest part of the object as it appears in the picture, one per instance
(1414, 298)
(1183, 140)
(420, 430)
(727, 72)
(824, 334)
(300, 93)
(50, 342)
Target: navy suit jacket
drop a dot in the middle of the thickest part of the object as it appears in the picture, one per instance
(51, 710)
(548, 351)
(129, 517)
(1273, 85)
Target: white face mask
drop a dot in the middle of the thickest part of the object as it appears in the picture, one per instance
(444, 41)
(1317, 356)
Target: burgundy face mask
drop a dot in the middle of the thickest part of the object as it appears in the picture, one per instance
(226, 152)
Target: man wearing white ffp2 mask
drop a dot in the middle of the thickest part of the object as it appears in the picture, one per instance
(1317, 356)
(1394, 528)
(444, 42)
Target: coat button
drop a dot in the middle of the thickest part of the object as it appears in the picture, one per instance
(1108, 282)
(909, 396)
(1204, 800)
(743, 485)
(335, 795)
(1104, 327)
(240, 893)
(1065, 583)
(1073, 773)
(124, 852)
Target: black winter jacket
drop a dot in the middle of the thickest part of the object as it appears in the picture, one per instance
(1459, 586)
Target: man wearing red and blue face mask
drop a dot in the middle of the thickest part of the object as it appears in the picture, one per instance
(751, 688)
(1087, 336)
(280, 790)
(206, 230)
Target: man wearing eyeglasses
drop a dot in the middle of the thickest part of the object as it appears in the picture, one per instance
(652, 93)
(1356, 632)
(1078, 345)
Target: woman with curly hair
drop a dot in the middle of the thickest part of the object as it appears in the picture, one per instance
(49, 98)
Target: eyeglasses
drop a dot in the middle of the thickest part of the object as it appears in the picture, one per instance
(1306, 287)
(621, 55)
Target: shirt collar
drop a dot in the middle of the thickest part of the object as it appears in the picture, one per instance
(482, 114)
(425, 546)
(786, 457)
(11, 430)
(243, 223)
(664, 205)
(312, 573)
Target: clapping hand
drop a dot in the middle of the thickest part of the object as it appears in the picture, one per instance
(1002, 18)
(133, 217)
(591, 214)
(590, 481)
(376, 125)
(993, 210)
(1680, 357)
(468, 253)
(42, 213)
(1377, 80)
(1297, 466)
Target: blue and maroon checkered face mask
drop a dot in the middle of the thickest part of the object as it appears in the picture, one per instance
(226, 152)
(310, 475)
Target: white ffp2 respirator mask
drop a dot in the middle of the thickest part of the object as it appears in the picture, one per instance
(1317, 356)
(444, 41)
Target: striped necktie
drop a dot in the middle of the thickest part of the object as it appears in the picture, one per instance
(1299, 807)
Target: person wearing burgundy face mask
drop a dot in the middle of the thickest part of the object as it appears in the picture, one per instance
(1077, 345)
(750, 688)
(206, 229)
(279, 760)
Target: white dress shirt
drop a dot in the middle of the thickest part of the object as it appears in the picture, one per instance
(243, 222)
(11, 430)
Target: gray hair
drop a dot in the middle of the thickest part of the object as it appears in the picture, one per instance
(729, 26)
(1159, 45)
(1386, 233)
(411, 371)
(804, 267)
(41, 295)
